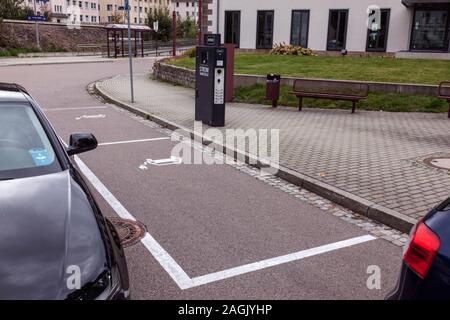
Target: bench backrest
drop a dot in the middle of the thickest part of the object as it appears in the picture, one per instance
(346, 88)
(444, 89)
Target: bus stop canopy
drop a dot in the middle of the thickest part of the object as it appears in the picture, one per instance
(117, 26)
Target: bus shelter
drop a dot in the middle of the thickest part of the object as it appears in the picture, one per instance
(117, 39)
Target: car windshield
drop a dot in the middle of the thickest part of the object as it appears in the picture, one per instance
(25, 149)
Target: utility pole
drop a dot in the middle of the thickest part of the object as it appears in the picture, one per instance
(129, 50)
(38, 44)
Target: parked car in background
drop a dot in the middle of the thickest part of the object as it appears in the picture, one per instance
(425, 273)
(54, 241)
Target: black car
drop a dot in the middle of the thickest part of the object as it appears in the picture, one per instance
(425, 272)
(54, 241)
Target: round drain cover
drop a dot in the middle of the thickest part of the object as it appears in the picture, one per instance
(440, 163)
(130, 232)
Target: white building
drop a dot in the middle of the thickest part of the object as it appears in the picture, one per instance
(139, 10)
(332, 25)
(88, 11)
(186, 9)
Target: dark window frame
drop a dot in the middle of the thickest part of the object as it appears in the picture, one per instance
(257, 28)
(447, 30)
(238, 44)
(388, 10)
(307, 27)
(345, 32)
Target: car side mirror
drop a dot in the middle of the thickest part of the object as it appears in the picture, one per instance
(81, 142)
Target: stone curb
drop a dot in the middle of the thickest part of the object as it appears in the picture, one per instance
(348, 200)
(14, 64)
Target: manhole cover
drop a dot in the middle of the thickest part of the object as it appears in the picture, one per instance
(130, 232)
(439, 163)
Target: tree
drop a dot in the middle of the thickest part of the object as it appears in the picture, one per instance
(117, 17)
(164, 18)
(189, 28)
(14, 9)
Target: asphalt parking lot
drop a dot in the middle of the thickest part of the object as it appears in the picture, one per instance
(214, 232)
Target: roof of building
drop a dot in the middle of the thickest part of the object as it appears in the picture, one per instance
(410, 3)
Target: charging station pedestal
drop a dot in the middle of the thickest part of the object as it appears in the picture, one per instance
(210, 86)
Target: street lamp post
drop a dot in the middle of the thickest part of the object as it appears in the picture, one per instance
(127, 7)
(174, 32)
(38, 44)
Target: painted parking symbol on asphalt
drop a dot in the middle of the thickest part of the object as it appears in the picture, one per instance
(160, 162)
(94, 116)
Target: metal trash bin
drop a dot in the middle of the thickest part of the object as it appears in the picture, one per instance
(273, 88)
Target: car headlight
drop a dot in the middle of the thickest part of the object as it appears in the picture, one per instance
(98, 289)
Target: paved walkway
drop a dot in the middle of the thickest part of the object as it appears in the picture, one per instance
(374, 155)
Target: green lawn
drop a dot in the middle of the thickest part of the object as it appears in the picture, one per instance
(345, 68)
(375, 101)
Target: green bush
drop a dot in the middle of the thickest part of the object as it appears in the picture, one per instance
(14, 9)
(291, 50)
(190, 53)
(14, 52)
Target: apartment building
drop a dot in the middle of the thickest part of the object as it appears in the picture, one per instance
(186, 9)
(59, 10)
(334, 25)
(139, 9)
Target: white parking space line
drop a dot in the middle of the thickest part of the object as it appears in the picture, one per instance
(167, 262)
(105, 193)
(80, 108)
(133, 141)
(251, 267)
(177, 273)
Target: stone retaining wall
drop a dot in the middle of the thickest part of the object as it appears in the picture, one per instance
(53, 36)
(172, 74)
(186, 77)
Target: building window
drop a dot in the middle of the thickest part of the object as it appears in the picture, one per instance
(377, 34)
(430, 29)
(109, 7)
(233, 27)
(337, 30)
(300, 28)
(264, 33)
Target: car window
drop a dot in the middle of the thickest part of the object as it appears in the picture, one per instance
(25, 149)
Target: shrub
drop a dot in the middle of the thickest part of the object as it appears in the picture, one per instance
(289, 49)
(191, 53)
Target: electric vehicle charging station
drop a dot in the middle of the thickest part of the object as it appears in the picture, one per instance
(210, 86)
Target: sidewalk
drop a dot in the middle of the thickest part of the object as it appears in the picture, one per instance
(7, 62)
(369, 161)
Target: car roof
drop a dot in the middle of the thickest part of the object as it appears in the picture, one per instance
(12, 92)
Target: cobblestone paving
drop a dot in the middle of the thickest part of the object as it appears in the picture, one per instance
(370, 154)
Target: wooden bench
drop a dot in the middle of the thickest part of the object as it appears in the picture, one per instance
(444, 93)
(327, 89)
